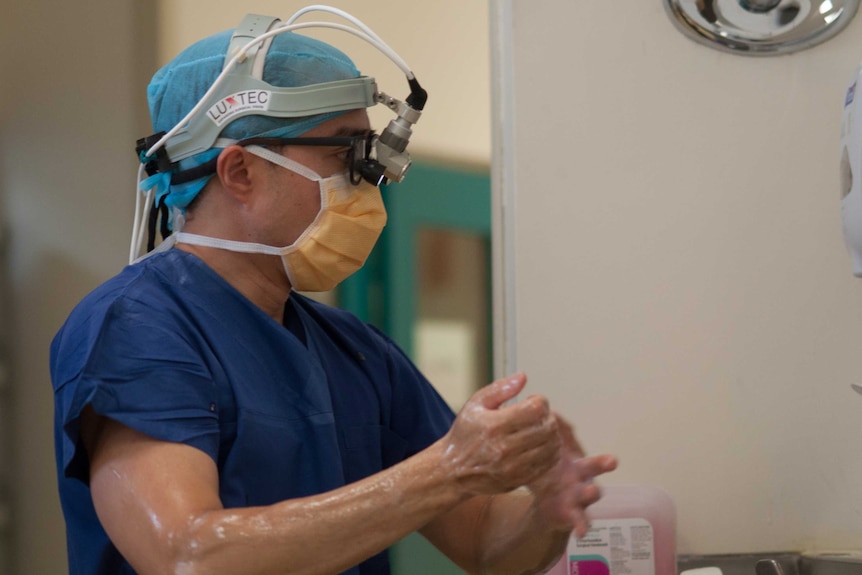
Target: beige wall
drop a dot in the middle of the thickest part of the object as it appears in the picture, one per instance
(445, 42)
(682, 288)
(683, 292)
(71, 111)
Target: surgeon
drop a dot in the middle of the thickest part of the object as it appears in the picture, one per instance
(210, 419)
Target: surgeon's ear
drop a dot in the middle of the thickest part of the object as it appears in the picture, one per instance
(236, 169)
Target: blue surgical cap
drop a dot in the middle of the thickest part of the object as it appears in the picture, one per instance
(293, 60)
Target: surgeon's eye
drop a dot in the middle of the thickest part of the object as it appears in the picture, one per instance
(344, 155)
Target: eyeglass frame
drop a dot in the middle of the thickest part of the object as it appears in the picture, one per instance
(362, 165)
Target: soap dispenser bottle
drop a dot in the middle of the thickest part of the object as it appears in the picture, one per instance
(632, 532)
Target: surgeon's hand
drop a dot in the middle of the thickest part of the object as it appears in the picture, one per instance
(494, 448)
(564, 493)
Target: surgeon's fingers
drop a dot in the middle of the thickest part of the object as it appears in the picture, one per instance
(581, 522)
(595, 465)
(567, 436)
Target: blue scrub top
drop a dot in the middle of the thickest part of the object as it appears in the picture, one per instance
(167, 347)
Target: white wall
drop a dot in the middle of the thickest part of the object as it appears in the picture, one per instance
(683, 292)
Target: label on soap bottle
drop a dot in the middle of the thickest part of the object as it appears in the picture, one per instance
(614, 547)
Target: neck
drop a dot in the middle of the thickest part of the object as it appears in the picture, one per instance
(260, 278)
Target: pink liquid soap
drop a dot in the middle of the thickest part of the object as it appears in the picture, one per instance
(633, 533)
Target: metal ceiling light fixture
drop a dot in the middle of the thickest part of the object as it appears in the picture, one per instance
(761, 27)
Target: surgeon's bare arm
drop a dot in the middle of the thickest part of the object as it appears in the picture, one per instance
(159, 501)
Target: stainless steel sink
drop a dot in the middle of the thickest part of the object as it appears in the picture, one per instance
(785, 563)
(831, 564)
(744, 564)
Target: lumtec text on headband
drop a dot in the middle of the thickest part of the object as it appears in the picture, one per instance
(240, 91)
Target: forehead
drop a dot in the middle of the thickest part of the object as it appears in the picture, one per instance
(352, 123)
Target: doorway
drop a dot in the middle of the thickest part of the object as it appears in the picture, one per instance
(428, 285)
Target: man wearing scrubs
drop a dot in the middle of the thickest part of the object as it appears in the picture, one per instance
(210, 419)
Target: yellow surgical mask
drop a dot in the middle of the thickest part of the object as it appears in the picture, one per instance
(334, 245)
(338, 241)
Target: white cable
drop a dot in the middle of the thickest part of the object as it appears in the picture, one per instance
(142, 213)
(242, 53)
(364, 32)
(357, 22)
(372, 39)
(136, 221)
(148, 206)
(285, 162)
(238, 57)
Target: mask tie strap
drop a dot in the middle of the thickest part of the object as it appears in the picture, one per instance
(230, 245)
(284, 162)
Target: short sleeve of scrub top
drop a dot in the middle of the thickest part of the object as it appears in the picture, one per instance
(132, 366)
(170, 349)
